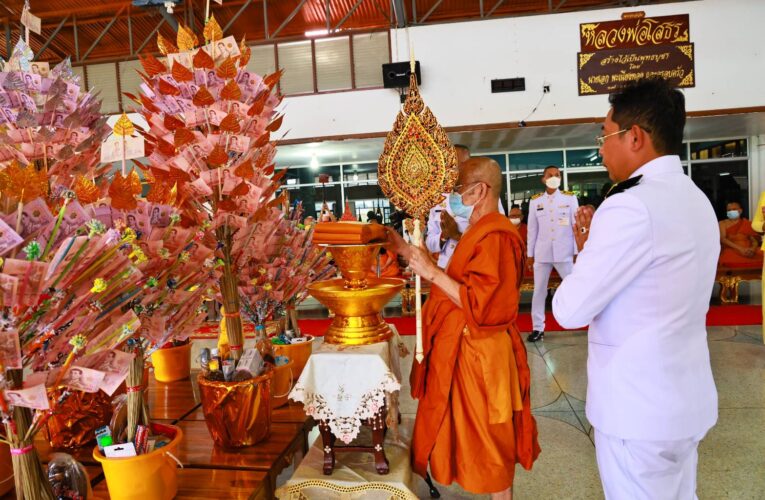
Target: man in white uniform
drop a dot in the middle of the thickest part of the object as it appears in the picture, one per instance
(444, 228)
(550, 242)
(642, 282)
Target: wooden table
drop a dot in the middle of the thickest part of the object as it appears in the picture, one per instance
(205, 484)
(270, 456)
(211, 472)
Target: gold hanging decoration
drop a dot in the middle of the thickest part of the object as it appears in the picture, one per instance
(418, 163)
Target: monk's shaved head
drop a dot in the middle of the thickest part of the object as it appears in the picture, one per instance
(481, 169)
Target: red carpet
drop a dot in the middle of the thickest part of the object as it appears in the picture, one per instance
(718, 316)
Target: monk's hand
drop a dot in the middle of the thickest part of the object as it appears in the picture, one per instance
(583, 220)
(449, 227)
(421, 263)
(396, 243)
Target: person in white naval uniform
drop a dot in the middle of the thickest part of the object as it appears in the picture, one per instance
(642, 283)
(444, 228)
(550, 242)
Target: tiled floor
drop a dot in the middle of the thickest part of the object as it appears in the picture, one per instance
(731, 457)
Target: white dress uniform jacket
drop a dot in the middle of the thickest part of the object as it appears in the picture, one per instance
(643, 283)
(551, 216)
(433, 234)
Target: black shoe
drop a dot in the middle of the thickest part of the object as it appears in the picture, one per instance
(535, 335)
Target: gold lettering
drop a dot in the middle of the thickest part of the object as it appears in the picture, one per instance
(645, 31)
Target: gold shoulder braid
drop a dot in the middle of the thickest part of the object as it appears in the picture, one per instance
(569, 193)
(536, 196)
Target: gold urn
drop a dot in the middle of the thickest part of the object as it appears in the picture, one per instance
(355, 299)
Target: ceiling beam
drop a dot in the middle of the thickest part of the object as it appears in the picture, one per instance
(104, 31)
(236, 16)
(432, 9)
(51, 37)
(348, 14)
(151, 35)
(496, 6)
(169, 18)
(289, 18)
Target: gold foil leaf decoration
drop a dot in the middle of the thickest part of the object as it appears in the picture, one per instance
(276, 124)
(258, 104)
(245, 54)
(241, 189)
(262, 140)
(167, 88)
(123, 191)
(273, 78)
(183, 136)
(212, 31)
(203, 97)
(160, 193)
(25, 182)
(181, 73)
(217, 156)
(418, 163)
(152, 65)
(86, 190)
(165, 147)
(165, 46)
(227, 205)
(203, 60)
(226, 70)
(173, 123)
(124, 127)
(231, 91)
(244, 170)
(230, 124)
(186, 39)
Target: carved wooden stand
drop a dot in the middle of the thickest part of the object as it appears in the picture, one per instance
(378, 425)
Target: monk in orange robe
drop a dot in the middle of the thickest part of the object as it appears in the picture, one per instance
(739, 242)
(388, 265)
(474, 419)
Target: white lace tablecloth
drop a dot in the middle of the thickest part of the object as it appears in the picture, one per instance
(347, 384)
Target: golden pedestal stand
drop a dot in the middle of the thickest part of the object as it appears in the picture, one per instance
(356, 300)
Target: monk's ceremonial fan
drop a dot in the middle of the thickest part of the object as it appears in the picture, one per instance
(417, 166)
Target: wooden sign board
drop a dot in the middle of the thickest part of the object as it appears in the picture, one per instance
(634, 32)
(605, 71)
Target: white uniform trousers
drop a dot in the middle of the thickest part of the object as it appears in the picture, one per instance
(647, 470)
(542, 272)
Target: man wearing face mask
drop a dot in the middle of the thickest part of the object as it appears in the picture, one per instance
(473, 420)
(516, 217)
(550, 242)
(445, 228)
(740, 243)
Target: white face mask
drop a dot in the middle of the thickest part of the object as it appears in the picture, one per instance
(553, 182)
(515, 221)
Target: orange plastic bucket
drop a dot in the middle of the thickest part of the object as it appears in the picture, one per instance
(299, 353)
(153, 476)
(172, 364)
(281, 384)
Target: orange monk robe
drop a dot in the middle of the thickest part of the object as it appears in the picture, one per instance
(388, 266)
(740, 233)
(474, 418)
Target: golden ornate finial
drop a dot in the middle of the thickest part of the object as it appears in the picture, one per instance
(124, 127)
(212, 31)
(186, 39)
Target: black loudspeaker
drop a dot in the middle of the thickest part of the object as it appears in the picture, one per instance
(396, 75)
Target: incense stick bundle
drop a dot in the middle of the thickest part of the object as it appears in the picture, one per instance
(30, 479)
(137, 413)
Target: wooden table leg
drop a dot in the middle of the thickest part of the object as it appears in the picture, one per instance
(328, 444)
(378, 439)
